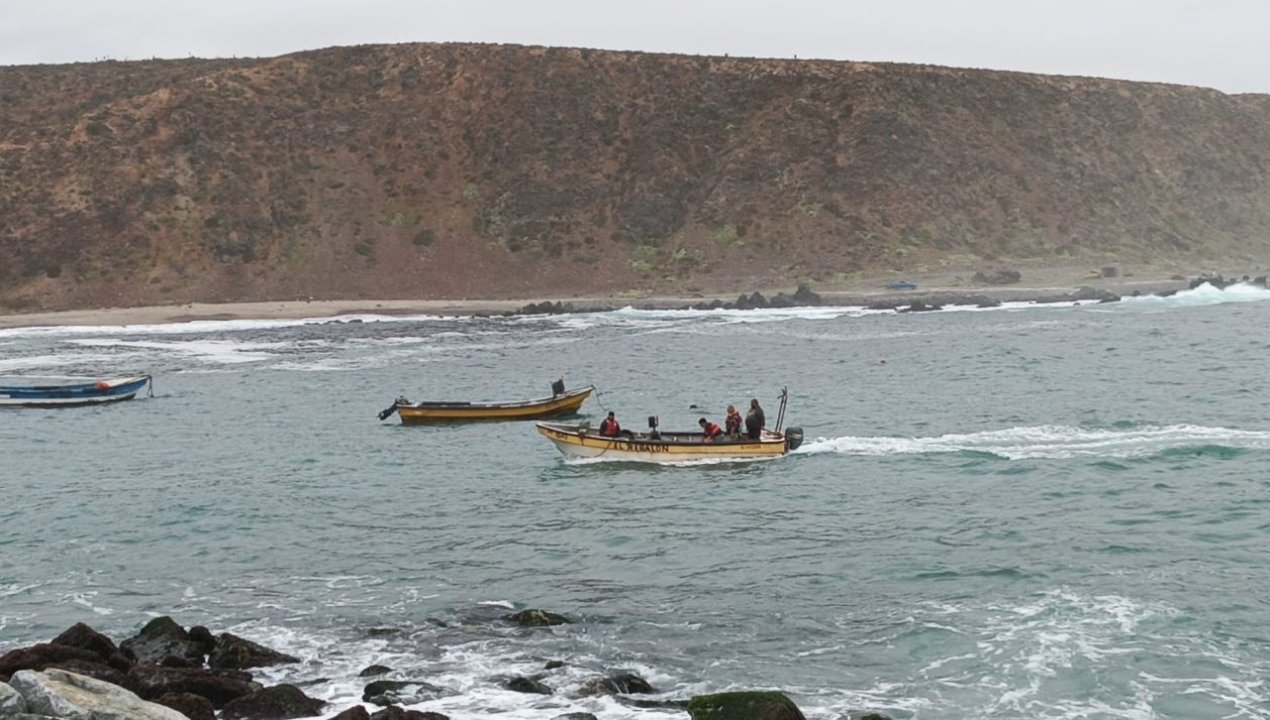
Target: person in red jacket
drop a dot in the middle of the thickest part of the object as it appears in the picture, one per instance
(609, 426)
(709, 429)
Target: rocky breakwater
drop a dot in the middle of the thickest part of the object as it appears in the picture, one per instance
(166, 672)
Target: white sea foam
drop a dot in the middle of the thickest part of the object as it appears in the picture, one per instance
(216, 351)
(1048, 442)
(1203, 295)
(195, 327)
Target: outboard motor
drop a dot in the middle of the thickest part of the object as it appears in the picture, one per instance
(652, 428)
(793, 438)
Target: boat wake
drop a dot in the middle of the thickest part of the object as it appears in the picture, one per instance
(1056, 442)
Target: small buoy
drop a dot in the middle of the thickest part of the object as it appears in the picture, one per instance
(882, 361)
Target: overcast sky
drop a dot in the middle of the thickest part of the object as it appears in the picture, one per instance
(1223, 44)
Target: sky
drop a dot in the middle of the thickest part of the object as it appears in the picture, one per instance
(1222, 44)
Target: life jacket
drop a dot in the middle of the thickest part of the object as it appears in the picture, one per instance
(609, 427)
(734, 423)
(711, 430)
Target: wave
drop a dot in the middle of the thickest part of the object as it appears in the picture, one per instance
(1056, 442)
(1203, 295)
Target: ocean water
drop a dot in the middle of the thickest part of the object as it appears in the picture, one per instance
(1021, 512)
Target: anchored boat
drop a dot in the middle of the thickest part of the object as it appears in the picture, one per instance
(73, 394)
(564, 403)
(672, 447)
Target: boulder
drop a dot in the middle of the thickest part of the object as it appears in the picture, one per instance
(273, 703)
(392, 712)
(575, 716)
(235, 653)
(753, 301)
(621, 683)
(160, 638)
(528, 685)
(194, 707)
(357, 712)
(805, 296)
(744, 706)
(41, 656)
(218, 686)
(11, 702)
(97, 670)
(373, 670)
(69, 696)
(84, 637)
(399, 692)
(536, 618)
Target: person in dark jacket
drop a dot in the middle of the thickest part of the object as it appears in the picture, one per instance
(754, 421)
(609, 426)
(710, 430)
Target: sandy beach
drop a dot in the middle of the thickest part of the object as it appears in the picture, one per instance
(862, 292)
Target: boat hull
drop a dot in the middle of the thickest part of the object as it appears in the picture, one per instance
(72, 395)
(423, 413)
(667, 448)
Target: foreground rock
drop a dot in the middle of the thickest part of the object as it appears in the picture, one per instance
(744, 706)
(61, 694)
(275, 703)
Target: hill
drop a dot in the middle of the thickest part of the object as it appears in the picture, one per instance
(484, 171)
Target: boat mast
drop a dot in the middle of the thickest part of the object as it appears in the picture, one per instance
(780, 415)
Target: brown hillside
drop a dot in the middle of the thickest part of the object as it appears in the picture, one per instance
(478, 171)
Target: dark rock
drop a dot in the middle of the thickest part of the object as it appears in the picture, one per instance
(874, 716)
(920, 306)
(781, 300)
(41, 656)
(160, 638)
(357, 712)
(744, 706)
(575, 716)
(536, 618)
(203, 637)
(404, 692)
(273, 703)
(235, 653)
(219, 686)
(1088, 293)
(621, 683)
(378, 632)
(655, 704)
(374, 670)
(84, 637)
(553, 664)
(1259, 281)
(805, 296)
(528, 685)
(753, 301)
(194, 707)
(96, 669)
(392, 712)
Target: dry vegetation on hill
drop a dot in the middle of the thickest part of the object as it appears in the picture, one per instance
(480, 171)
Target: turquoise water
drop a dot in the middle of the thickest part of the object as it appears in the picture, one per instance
(1024, 512)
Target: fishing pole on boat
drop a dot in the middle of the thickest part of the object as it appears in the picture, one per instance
(780, 414)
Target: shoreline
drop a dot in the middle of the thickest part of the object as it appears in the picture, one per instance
(323, 309)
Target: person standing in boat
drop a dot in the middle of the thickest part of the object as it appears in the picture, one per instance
(710, 430)
(754, 421)
(609, 426)
(732, 423)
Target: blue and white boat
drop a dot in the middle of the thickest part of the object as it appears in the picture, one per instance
(72, 393)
